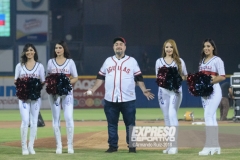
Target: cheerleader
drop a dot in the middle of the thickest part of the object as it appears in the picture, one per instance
(213, 65)
(61, 63)
(170, 101)
(29, 67)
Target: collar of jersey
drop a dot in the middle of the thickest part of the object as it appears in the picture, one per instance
(121, 58)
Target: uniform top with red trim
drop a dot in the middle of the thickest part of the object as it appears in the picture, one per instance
(68, 67)
(37, 72)
(119, 78)
(214, 66)
(161, 62)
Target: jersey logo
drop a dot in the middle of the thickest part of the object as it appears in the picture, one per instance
(206, 68)
(119, 68)
(58, 70)
(110, 69)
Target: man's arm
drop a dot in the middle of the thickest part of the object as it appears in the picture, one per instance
(99, 81)
(139, 80)
(97, 84)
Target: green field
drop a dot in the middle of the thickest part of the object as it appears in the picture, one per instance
(13, 134)
(98, 114)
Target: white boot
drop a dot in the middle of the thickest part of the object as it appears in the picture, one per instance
(174, 148)
(70, 132)
(215, 143)
(166, 150)
(24, 132)
(32, 136)
(211, 144)
(58, 138)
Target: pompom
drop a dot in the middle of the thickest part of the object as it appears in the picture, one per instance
(51, 81)
(34, 88)
(28, 88)
(199, 84)
(63, 85)
(169, 78)
(58, 84)
(22, 88)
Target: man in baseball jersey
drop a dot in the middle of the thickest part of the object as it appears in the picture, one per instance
(121, 73)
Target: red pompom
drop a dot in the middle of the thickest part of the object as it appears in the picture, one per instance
(51, 81)
(21, 88)
(199, 84)
(169, 78)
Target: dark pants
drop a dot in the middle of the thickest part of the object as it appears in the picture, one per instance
(112, 111)
(224, 107)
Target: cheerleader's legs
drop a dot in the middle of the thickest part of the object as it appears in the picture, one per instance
(34, 110)
(210, 105)
(26, 108)
(163, 99)
(56, 111)
(67, 103)
(24, 111)
(169, 102)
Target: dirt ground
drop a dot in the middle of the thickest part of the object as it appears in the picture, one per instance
(98, 140)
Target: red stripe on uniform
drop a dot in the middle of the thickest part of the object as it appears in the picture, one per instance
(101, 73)
(121, 78)
(114, 78)
(210, 73)
(137, 73)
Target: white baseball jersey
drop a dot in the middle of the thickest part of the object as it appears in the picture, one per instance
(37, 72)
(68, 67)
(119, 78)
(214, 66)
(161, 62)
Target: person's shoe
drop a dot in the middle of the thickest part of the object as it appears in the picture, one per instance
(31, 150)
(70, 150)
(206, 151)
(59, 150)
(25, 151)
(216, 150)
(111, 149)
(132, 150)
(166, 150)
(173, 150)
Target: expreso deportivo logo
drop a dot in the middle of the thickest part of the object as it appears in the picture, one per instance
(151, 133)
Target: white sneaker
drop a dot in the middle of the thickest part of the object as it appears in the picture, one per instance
(25, 152)
(70, 151)
(59, 151)
(173, 150)
(31, 150)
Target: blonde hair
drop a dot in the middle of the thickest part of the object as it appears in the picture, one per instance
(175, 54)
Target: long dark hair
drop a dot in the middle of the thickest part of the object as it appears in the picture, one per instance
(214, 46)
(66, 52)
(25, 48)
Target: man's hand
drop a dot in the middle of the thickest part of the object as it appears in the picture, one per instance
(89, 92)
(148, 94)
